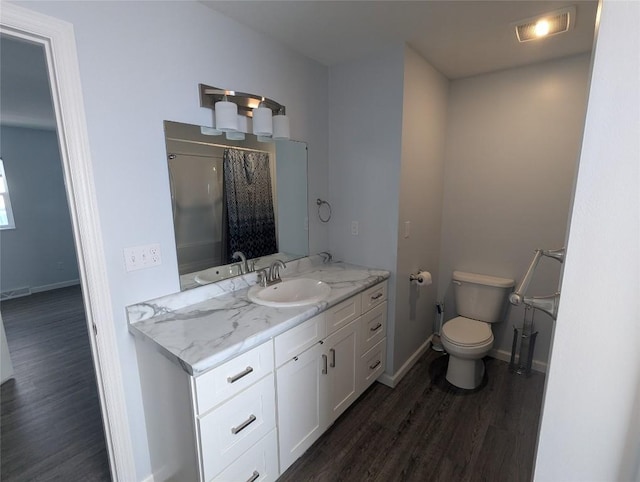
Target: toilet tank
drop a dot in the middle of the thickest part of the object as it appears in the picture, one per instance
(481, 297)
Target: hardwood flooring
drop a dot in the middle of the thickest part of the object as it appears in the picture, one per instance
(427, 430)
(50, 420)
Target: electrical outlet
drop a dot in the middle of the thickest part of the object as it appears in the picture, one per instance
(354, 227)
(140, 257)
(407, 229)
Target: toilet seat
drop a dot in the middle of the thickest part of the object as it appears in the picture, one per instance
(465, 332)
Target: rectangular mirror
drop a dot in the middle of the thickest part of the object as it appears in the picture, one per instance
(230, 196)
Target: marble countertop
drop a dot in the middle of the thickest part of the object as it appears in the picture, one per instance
(201, 328)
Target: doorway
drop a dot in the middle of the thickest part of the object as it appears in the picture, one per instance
(51, 423)
(57, 36)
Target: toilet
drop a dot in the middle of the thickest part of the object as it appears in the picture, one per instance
(467, 338)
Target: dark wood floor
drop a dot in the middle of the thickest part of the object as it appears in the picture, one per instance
(50, 422)
(427, 430)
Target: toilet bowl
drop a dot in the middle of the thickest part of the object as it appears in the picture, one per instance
(467, 338)
(466, 341)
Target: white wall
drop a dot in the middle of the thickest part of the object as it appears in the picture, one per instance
(513, 140)
(140, 63)
(40, 253)
(365, 128)
(591, 412)
(420, 202)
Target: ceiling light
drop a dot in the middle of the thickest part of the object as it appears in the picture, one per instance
(546, 25)
(542, 28)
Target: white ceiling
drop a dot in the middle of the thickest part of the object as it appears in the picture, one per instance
(459, 38)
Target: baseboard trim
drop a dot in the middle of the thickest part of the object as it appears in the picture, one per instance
(506, 356)
(28, 290)
(393, 380)
(55, 286)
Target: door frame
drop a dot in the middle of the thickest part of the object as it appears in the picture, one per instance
(58, 39)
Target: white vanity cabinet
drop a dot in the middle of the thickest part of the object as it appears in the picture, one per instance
(219, 426)
(318, 377)
(251, 417)
(234, 410)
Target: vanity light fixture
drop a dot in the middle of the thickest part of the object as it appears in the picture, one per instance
(541, 26)
(269, 117)
(226, 115)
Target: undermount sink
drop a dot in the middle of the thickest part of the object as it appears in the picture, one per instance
(293, 292)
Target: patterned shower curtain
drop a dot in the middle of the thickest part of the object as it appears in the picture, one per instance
(251, 224)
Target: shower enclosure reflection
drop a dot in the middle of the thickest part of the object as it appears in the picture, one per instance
(231, 197)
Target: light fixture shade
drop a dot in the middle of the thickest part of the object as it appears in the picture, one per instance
(242, 129)
(226, 116)
(210, 131)
(281, 127)
(234, 136)
(262, 121)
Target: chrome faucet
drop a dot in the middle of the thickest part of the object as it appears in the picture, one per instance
(244, 267)
(274, 271)
(270, 275)
(326, 256)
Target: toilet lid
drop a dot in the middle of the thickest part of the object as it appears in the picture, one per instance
(467, 332)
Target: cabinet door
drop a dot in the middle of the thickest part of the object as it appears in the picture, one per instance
(342, 353)
(302, 407)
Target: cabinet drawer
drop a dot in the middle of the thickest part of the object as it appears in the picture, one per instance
(373, 327)
(225, 381)
(343, 314)
(259, 463)
(232, 428)
(372, 365)
(374, 296)
(296, 340)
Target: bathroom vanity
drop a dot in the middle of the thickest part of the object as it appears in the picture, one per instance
(237, 391)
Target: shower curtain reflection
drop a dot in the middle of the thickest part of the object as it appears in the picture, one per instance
(196, 184)
(251, 226)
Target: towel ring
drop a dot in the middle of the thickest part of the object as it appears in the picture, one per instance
(320, 202)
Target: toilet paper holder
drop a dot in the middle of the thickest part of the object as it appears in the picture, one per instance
(420, 277)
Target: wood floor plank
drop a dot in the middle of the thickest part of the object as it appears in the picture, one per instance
(50, 422)
(427, 430)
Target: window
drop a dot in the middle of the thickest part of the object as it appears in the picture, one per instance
(6, 214)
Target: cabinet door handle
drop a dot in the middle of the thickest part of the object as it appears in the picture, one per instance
(237, 377)
(375, 365)
(254, 476)
(376, 297)
(243, 425)
(333, 358)
(324, 361)
(376, 328)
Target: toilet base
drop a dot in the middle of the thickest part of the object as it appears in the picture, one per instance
(465, 373)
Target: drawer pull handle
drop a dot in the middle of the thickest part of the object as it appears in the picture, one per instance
(237, 377)
(376, 297)
(252, 418)
(333, 358)
(324, 360)
(375, 365)
(254, 476)
(376, 328)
